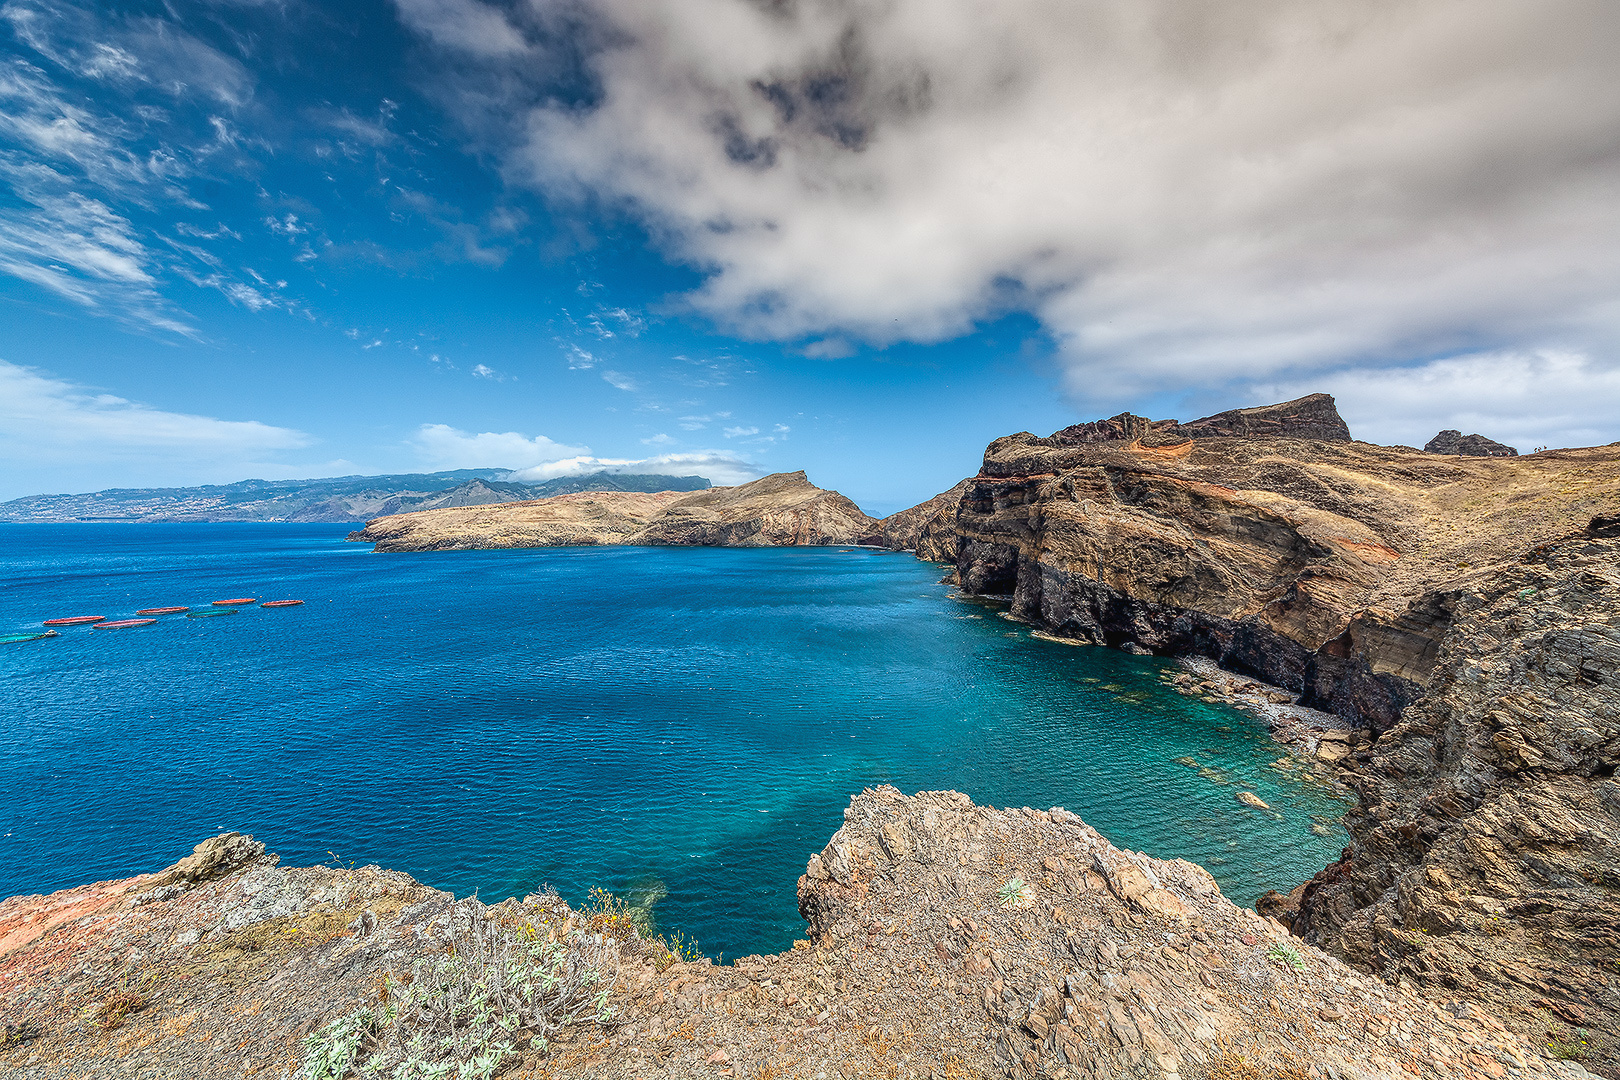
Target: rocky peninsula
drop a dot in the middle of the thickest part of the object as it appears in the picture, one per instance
(783, 509)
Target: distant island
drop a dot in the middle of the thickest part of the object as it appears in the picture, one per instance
(338, 498)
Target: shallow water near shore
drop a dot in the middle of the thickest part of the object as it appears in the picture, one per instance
(640, 719)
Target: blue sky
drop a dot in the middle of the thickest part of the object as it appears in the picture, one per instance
(283, 239)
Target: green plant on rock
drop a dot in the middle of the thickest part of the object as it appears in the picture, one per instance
(1015, 894)
(465, 1013)
(1286, 955)
(1569, 1047)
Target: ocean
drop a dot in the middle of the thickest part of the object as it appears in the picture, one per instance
(679, 726)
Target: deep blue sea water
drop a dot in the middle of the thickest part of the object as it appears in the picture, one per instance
(641, 719)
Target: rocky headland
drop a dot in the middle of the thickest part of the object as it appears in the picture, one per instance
(1458, 612)
(783, 509)
(1440, 628)
(943, 940)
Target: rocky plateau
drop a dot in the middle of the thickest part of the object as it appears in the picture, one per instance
(783, 509)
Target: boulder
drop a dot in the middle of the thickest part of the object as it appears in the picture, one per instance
(1452, 441)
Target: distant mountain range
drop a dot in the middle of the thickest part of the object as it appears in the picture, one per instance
(338, 498)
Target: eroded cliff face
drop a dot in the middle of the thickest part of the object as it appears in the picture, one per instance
(1316, 563)
(904, 531)
(783, 509)
(1466, 609)
(943, 939)
(1485, 851)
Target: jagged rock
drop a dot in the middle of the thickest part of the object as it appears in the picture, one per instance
(214, 857)
(1452, 441)
(1314, 416)
(782, 509)
(1485, 849)
(1118, 965)
(1311, 417)
(903, 531)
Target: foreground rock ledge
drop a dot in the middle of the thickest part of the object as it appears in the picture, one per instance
(923, 957)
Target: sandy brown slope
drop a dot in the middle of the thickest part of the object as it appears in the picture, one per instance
(783, 509)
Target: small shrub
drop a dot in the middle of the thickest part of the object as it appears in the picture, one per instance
(1569, 1047)
(462, 1015)
(1286, 955)
(633, 925)
(111, 1011)
(17, 1034)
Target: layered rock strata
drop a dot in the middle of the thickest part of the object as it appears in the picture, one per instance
(783, 509)
(944, 939)
(1485, 849)
(1263, 539)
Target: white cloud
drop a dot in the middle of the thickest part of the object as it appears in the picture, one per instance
(445, 447)
(1524, 399)
(62, 432)
(484, 371)
(717, 466)
(737, 432)
(619, 380)
(657, 440)
(465, 25)
(1180, 192)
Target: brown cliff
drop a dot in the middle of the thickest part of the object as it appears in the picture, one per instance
(1485, 849)
(1390, 586)
(1317, 564)
(782, 509)
(944, 939)
(904, 531)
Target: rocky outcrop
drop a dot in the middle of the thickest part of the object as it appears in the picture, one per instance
(903, 531)
(783, 509)
(1390, 586)
(1452, 441)
(943, 939)
(1312, 417)
(1314, 563)
(1485, 849)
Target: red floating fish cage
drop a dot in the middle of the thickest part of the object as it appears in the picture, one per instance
(76, 620)
(124, 622)
(161, 610)
(238, 600)
(281, 603)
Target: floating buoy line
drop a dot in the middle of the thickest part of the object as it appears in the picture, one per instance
(146, 617)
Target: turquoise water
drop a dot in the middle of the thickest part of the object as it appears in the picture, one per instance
(640, 719)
